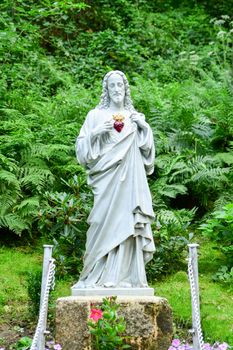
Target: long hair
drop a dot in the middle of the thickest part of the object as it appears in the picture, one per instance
(105, 99)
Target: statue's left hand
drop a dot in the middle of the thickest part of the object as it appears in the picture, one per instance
(139, 119)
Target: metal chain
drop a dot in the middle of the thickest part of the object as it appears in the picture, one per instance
(195, 303)
(50, 283)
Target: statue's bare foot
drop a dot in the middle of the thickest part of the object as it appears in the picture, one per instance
(89, 286)
(143, 285)
(109, 285)
(125, 285)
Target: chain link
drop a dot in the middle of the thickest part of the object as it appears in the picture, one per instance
(195, 304)
(50, 283)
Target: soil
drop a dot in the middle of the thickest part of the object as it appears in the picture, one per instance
(10, 333)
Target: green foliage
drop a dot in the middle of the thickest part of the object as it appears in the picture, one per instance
(34, 290)
(219, 228)
(224, 275)
(108, 328)
(23, 344)
(64, 222)
(171, 237)
(179, 63)
(28, 169)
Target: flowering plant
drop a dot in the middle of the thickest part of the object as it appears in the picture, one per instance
(178, 345)
(107, 327)
(96, 314)
(52, 345)
(22, 345)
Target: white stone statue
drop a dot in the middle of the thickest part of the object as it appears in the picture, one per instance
(116, 147)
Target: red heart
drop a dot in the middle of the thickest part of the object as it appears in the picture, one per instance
(118, 126)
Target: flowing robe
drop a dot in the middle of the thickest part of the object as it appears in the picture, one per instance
(119, 240)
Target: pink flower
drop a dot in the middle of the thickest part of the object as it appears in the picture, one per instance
(175, 343)
(187, 346)
(223, 346)
(207, 346)
(172, 348)
(57, 347)
(182, 347)
(96, 314)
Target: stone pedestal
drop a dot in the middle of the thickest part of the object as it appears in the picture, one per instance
(148, 319)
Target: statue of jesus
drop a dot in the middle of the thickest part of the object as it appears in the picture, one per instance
(116, 147)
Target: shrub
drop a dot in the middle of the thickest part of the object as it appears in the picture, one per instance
(171, 236)
(34, 291)
(63, 220)
(219, 228)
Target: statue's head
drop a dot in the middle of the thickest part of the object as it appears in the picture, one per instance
(123, 91)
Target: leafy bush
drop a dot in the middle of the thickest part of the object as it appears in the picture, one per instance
(219, 228)
(63, 220)
(171, 236)
(35, 155)
(224, 275)
(34, 290)
(23, 344)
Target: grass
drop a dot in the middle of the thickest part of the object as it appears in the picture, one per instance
(216, 301)
(15, 319)
(15, 265)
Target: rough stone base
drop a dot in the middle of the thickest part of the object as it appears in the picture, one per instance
(148, 319)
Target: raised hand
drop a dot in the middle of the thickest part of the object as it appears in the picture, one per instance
(102, 128)
(139, 119)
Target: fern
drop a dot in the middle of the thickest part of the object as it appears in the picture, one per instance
(203, 128)
(225, 157)
(178, 220)
(224, 198)
(14, 223)
(213, 177)
(162, 188)
(200, 162)
(167, 217)
(7, 200)
(8, 179)
(181, 171)
(173, 190)
(55, 151)
(28, 207)
(36, 179)
(7, 163)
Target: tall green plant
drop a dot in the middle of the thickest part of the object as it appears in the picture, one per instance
(64, 221)
(219, 229)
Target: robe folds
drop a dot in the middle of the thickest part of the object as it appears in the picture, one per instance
(119, 240)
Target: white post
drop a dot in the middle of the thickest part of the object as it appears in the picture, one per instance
(194, 261)
(47, 256)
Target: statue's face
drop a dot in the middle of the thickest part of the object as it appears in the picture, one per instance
(116, 88)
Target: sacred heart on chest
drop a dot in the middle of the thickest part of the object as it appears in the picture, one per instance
(118, 124)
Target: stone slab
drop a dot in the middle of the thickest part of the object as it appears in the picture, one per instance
(112, 291)
(148, 319)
